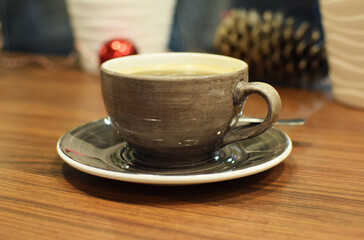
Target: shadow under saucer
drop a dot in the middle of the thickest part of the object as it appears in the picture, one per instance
(119, 191)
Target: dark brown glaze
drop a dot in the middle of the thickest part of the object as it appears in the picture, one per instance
(163, 118)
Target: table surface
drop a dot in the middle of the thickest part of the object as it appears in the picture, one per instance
(316, 193)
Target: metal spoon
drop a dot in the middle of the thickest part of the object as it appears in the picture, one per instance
(296, 121)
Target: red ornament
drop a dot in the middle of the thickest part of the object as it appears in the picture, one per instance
(116, 48)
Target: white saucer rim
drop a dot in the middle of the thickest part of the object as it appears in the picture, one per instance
(180, 179)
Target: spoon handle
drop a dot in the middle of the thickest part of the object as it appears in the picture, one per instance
(296, 121)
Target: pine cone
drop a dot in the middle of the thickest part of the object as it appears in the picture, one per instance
(274, 49)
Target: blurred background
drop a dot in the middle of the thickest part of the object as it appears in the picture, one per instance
(283, 41)
(43, 26)
(262, 33)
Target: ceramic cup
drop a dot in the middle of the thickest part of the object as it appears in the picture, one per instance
(180, 120)
(343, 22)
(146, 23)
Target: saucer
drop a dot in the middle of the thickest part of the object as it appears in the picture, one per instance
(95, 148)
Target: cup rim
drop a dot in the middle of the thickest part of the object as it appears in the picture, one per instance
(106, 69)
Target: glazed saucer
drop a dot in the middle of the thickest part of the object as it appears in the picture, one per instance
(95, 148)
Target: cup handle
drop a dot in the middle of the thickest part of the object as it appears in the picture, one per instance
(241, 93)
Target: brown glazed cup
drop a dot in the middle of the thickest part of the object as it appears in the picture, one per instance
(174, 121)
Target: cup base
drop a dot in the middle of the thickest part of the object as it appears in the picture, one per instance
(164, 160)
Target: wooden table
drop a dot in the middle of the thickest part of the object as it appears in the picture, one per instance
(316, 193)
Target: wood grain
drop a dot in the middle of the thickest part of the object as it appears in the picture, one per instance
(317, 193)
